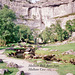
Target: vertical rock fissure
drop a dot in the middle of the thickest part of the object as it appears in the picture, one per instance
(29, 12)
(41, 21)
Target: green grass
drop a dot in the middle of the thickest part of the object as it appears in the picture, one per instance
(3, 47)
(16, 44)
(13, 43)
(62, 48)
(19, 48)
(12, 71)
(9, 52)
(66, 68)
(63, 68)
(42, 52)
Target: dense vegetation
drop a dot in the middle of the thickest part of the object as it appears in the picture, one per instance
(25, 33)
(56, 33)
(9, 31)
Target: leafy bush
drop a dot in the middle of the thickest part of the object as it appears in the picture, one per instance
(44, 36)
(73, 25)
(25, 33)
(2, 42)
(69, 27)
(5, 6)
(54, 33)
(8, 30)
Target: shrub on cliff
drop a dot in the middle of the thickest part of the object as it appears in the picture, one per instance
(54, 33)
(73, 26)
(69, 26)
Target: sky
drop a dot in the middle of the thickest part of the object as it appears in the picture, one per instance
(34, 1)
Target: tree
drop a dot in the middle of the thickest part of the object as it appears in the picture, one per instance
(45, 35)
(65, 35)
(73, 25)
(58, 31)
(69, 27)
(8, 29)
(54, 33)
(25, 33)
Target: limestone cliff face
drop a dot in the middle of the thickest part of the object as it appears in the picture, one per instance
(43, 13)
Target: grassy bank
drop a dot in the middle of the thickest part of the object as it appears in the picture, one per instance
(12, 71)
(62, 48)
(62, 68)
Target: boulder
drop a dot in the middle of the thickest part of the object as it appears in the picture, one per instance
(35, 57)
(28, 50)
(11, 48)
(20, 73)
(54, 50)
(20, 45)
(1, 61)
(26, 53)
(48, 57)
(69, 74)
(28, 56)
(12, 45)
(72, 61)
(11, 64)
(3, 71)
(70, 52)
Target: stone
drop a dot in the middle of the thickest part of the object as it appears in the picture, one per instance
(3, 71)
(11, 64)
(11, 48)
(48, 57)
(54, 50)
(1, 61)
(6, 70)
(70, 52)
(28, 50)
(13, 45)
(29, 56)
(16, 46)
(69, 74)
(39, 61)
(20, 45)
(20, 73)
(26, 53)
(72, 61)
(35, 57)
